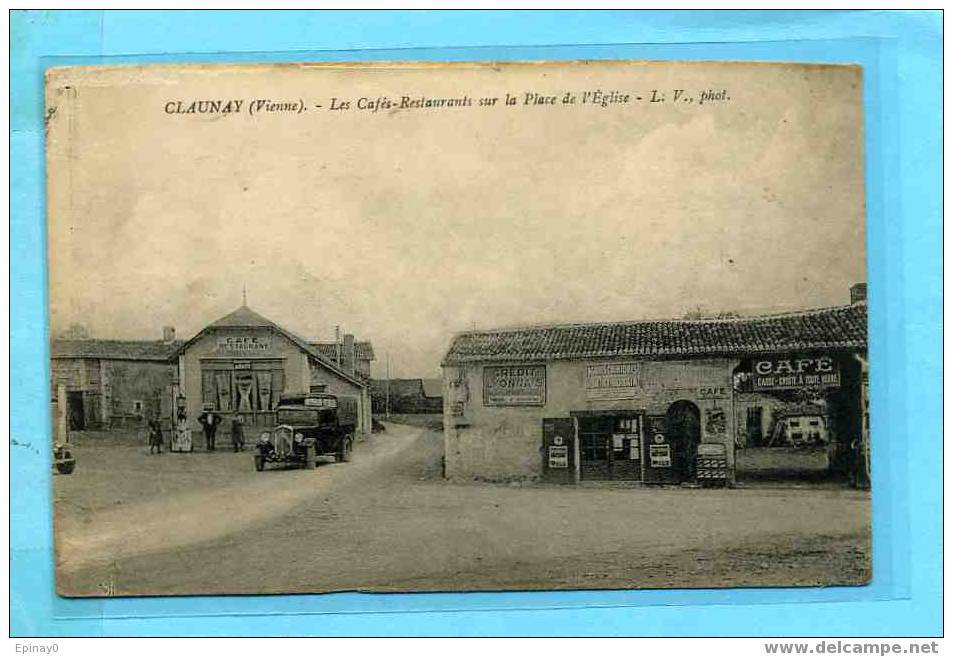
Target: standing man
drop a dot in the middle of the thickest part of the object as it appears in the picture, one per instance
(209, 420)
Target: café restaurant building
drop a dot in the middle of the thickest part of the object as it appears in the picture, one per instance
(635, 400)
(242, 363)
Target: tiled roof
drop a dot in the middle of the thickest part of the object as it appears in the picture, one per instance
(243, 317)
(397, 387)
(842, 327)
(156, 350)
(362, 350)
(407, 387)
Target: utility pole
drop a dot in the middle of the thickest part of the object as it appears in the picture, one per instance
(337, 344)
(387, 387)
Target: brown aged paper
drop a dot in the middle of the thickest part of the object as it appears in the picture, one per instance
(574, 325)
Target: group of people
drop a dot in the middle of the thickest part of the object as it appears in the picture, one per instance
(209, 420)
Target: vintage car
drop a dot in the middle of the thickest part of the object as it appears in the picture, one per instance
(800, 430)
(309, 429)
(63, 459)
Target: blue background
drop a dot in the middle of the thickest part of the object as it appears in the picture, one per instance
(901, 54)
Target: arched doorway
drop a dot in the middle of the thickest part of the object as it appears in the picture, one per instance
(685, 432)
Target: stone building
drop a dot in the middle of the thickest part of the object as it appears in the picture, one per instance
(111, 382)
(413, 396)
(348, 354)
(634, 400)
(242, 363)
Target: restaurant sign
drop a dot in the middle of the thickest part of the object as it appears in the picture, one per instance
(782, 373)
(517, 385)
(246, 345)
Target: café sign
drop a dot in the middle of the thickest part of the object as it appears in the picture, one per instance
(517, 385)
(783, 373)
(247, 345)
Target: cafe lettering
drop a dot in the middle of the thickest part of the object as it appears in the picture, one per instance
(797, 372)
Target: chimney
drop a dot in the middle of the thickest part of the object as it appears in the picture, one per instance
(349, 357)
(168, 334)
(858, 293)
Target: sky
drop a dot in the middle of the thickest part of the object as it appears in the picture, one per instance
(406, 226)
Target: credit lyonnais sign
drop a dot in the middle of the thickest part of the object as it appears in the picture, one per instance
(779, 373)
(518, 385)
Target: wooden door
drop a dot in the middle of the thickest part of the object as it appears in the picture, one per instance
(76, 411)
(754, 426)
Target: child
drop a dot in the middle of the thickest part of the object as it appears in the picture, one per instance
(238, 434)
(155, 436)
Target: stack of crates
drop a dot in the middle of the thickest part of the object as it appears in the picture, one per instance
(711, 465)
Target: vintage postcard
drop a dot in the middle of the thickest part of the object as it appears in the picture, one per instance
(457, 327)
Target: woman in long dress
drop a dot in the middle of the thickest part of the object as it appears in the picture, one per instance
(183, 433)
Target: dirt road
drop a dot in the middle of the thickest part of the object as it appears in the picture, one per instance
(388, 521)
(181, 518)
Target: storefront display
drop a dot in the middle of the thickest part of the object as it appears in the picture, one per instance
(637, 399)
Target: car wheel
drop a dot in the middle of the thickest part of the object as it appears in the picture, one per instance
(259, 462)
(65, 468)
(346, 446)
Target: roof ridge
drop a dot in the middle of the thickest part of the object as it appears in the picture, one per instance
(635, 322)
(126, 340)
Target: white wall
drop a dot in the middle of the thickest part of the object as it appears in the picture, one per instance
(503, 442)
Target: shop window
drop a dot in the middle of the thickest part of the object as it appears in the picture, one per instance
(599, 435)
(625, 439)
(593, 447)
(245, 392)
(594, 438)
(264, 381)
(223, 388)
(209, 393)
(239, 387)
(137, 407)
